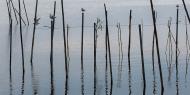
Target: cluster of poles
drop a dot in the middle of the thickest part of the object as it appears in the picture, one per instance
(19, 20)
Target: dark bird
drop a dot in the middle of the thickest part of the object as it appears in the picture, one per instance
(52, 17)
(37, 21)
(82, 9)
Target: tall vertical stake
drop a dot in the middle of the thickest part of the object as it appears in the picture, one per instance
(129, 46)
(64, 37)
(157, 47)
(108, 45)
(142, 58)
(22, 48)
(186, 10)
(34, 31)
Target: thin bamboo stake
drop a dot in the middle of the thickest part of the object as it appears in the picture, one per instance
(10, 36)
(186, 10)
(68, 56)
(157, 47)
(142, 58)
(108, 44)
(26, 14)
(177, 22)
(153, 67)
(64, 37)
(82, 41)
(187, 47)
(129, 53)
(21, 17)
(52, 33)
(22, 48)
(14, 11)
(95, 33)
(82, 35)
(129, 46)
(51, 54)
(34, 31)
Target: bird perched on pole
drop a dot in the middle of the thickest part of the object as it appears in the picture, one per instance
(82, 9)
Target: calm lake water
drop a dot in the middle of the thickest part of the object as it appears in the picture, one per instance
(38, 80)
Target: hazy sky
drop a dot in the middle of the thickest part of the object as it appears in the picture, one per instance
(133, 2)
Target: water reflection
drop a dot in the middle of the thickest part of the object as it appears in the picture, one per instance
(177, 82)
(52, 81)
(187, 49)
(23, 82)
(82, 78)
(10, 81)
(120, 63)
(169, 49)
(66, 85)
(35, 83)
(153, 69)
(129, 82)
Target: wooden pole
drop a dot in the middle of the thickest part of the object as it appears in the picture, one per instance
(68, 57)
(14, 11)
(21, 17)
(188, 47)
(26, 14)
(108, 44)
(95, 33)
(22, 48)
(52, 33)
(10, 36)
(157, 47)
(51, 54)
(64, 37)
(177, 22)
(34, 31)
(186, 10)
(129, 46)
(142, 58)
(82, 68)
(129, 53)
(82, 36)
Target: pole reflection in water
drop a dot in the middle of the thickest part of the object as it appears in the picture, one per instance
(120, 57)
(129, 81)
(35, 82)
(142, 60)
(23, 81)
(10, 84)
(52, 81)
(169, 50)
(68, 62)
(187, 50)
(66, 85)
(82, 80)
(153, 68)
